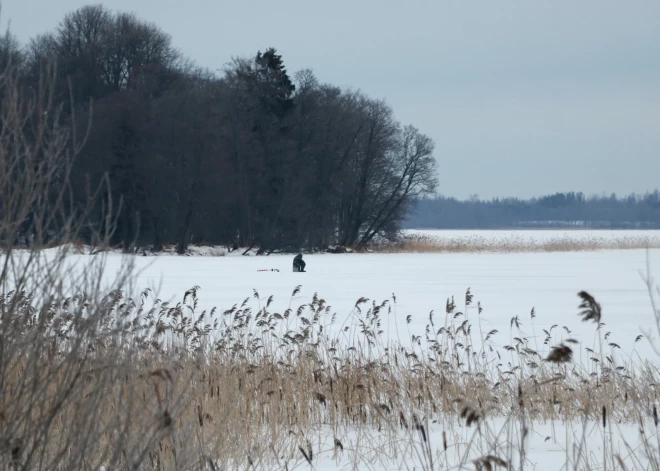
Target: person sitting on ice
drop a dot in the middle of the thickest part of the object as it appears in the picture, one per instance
(299, 263)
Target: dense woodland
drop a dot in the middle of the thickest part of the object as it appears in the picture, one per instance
(558, 210)
(250, 157)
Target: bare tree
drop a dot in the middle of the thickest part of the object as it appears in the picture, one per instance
(411, 174)
(366, 167)
(10, 52)
(131, 47)
(78, 45)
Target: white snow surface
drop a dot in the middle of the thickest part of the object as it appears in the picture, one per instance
(506, 285)
(548, 446)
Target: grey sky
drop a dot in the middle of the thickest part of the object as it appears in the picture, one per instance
(522, 97)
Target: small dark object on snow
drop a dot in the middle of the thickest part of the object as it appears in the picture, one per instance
(299, 263)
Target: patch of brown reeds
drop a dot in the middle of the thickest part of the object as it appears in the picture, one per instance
(231, 386)
(424, 243)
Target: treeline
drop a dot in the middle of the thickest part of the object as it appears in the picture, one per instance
(248, 157)
(558, 210)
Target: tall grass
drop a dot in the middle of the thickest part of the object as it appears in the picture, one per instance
(143, 384)
(472, 243)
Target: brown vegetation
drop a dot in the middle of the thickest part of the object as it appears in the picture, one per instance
(123, 384)
(423, 243)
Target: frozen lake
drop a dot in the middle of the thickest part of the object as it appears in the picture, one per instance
(506, 284)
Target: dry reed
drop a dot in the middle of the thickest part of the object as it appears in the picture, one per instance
(424, 243)
(226, 388)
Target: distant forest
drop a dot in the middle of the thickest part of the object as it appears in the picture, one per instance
(561, 210)
(251, 156)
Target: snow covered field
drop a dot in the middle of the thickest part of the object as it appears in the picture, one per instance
(505, 284)
(548, 446)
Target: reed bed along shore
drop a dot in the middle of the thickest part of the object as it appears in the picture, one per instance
(136, 383)
(515, 241)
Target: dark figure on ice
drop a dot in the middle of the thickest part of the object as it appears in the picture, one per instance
(298, 263)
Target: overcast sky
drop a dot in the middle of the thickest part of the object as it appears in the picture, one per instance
(522, 98)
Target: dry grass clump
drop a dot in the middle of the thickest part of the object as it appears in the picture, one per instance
(424, 243)
(124, 385)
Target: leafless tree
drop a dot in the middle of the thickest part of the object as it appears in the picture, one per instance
(410, 174)
(10, 51)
